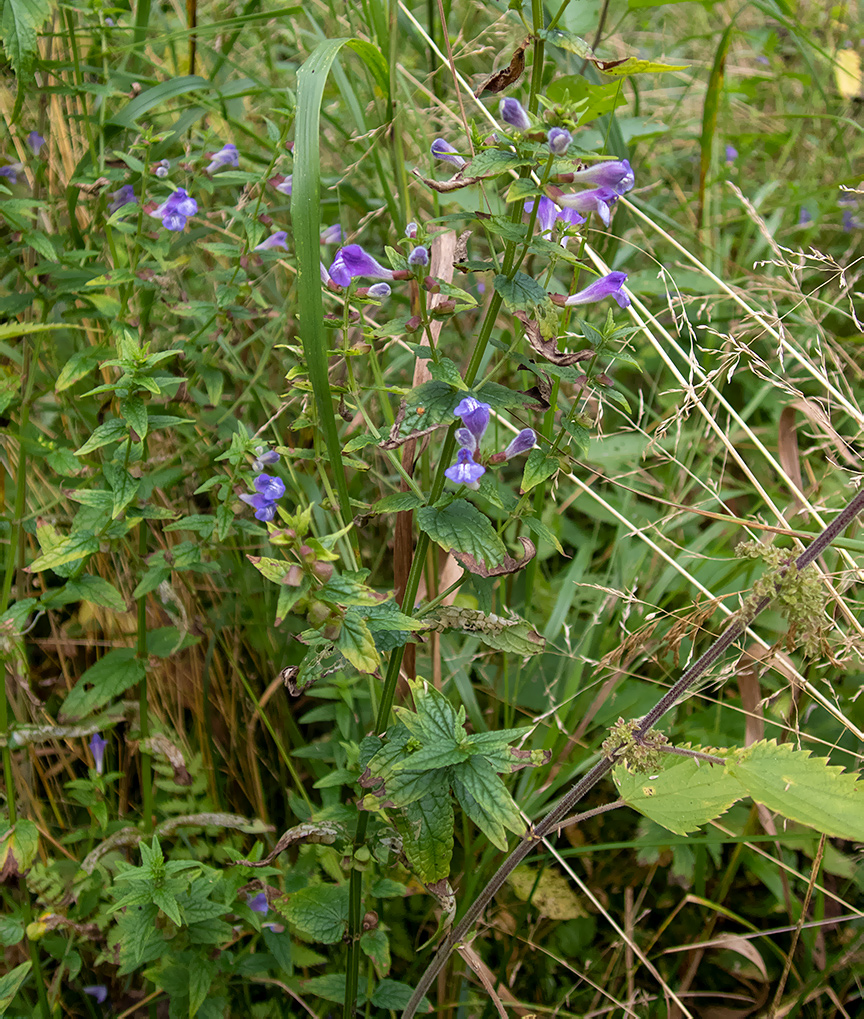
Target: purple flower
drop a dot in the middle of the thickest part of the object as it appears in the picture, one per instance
(851, 222)
(11, 172)
(175, 210)
(616, 174)
(264, 458)
(465, 471)
(475, 418)
(276, 240)
(97, 991)
(442, 149)
(411, 230)
(268, 490)
(331, 235)
(97, 748)
(524, 441)
(162, 172)
(419, 256)
(122, 196)
(258, 903)
(606, 286)
(286, 184)
(731, 153)
(379, 291)
(559, 140)
(352, 261)
(600, 200)
(512, 112)
(35, 141)
(547, 214)
(226, 156)
(804, 217)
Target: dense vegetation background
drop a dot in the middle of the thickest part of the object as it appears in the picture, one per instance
(190, 673)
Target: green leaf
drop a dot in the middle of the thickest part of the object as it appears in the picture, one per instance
(429, 404)
(485, 800)
(447, 371)
(18, 846)
(11, 982)
(200, 980)
(426, 827)
(96, 590)
(110, 431)
(150, 97)
(124, 487)
(803, 788)
(319, 913)
(67, 550)
(376, 63)
(134, 412)
(567, 41)
(538, 467)
(394, 995)
(492, 162)
(463, 528)
(543, 533)
(397, 502)
(330, 987)
(521, 293)
(521, 189)
(504, 633)
(356, 643)
(376, 945)
(272, 569)
(349, 589)
(633, 65)
(111, 676)
(685, 795)
(19, 29)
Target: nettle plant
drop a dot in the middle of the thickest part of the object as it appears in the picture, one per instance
(468, 463)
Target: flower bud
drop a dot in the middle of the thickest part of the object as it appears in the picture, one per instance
(513, 113)
(419, 256)
(559, 140)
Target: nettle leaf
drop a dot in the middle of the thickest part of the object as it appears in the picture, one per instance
(437, 717)
(492, 162)
(685, 795)
(485, 799)
(349, 589)
(356, 643)
(429, 404)
(463, 528)
(111, 676)
(448, 372)
(401, 789)
(803, 788)
(504, 633)
(318, 913)
(19, 27)
(522, 293)
(330, 987)
(426, 827)
(538, 467)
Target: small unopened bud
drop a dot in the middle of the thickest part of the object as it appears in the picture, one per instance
(317, 614)
(294, 576)
(323, 571)
(411, 230)
(559, 140)
(380, 291)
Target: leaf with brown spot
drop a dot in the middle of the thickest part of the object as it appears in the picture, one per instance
(505, 76)
(510, 565)
(444, 186)
(548, 349)
(323, 833)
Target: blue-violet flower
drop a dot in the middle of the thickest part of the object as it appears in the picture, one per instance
(465, 471)
(258, 903)
(122, 196)
(11, 171)
(264, 458)
(606, 286)
(616, 174)
(352, 261)
(411, 230)
(226, 156)
(176, 210)
(268, 491)
(331, 234)
(525, 440)
(600, 200)
(35, 141)
(286, 184)
(419, 256)
(275, 240)
(97, 748)
(97, 991)
(442, 149)
(512, 112)
(475, 418)
(379, 291)
(559, 140)
(731, 153)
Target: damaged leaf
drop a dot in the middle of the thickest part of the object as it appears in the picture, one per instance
(505, 76)
(504, 633)
(323, 833)
(509, 565)
(548, 349)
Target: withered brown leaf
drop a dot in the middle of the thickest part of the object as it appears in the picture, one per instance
(506, 76)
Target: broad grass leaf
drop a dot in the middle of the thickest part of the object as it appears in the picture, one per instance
(461, 526)
(803, 788)
(685, 795)
(111, 676)
(318, 913)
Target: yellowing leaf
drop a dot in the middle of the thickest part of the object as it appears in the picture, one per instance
(847, 73)
(550, 896)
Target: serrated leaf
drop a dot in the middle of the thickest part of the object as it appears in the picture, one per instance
(134, 412)
(67, 550)
(684, 795)
(330, 987)
(272, 569)
(124, 487)
(485, 799)
(356, 643)
(491, 162)
(538, 467)
(397, 502)
(394, 995)
(319, 913)
(349, 589)
(521, 189)
(96, 590)
(19, 28)
(426, 827)
(543, 533)
(504, 633)
(112, 675)
(429, 404)
(461, 526)
(109, 431)
(805, 789)
(522, 293)
(446, 371)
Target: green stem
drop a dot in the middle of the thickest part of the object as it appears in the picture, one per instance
(141, 653)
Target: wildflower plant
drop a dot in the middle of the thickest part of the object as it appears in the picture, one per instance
(329, 521)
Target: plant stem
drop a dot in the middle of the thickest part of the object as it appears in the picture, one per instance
(553, 820)
(141, 653)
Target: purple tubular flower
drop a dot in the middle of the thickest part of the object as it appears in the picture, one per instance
(258, 903)
(97, 748)
(276, 240)
(226, 156)
(176, 210)
(512, 112)
(411, 230)
(35, 141)
(547, 214)
(97, 991)
(122, 196)
(475, 417)
(466, 439)
(524, 441)
(381, 291)
(11, 171)
(352, 261)
(804, 217)
(264, 458)
(268, 491)
(606, 286)
(286, 185)
(559, 140)
(731, 153)
(616, 174)
(600, 200)
(465, 471)
(419, 256)
(442, 149)
(331, 235)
